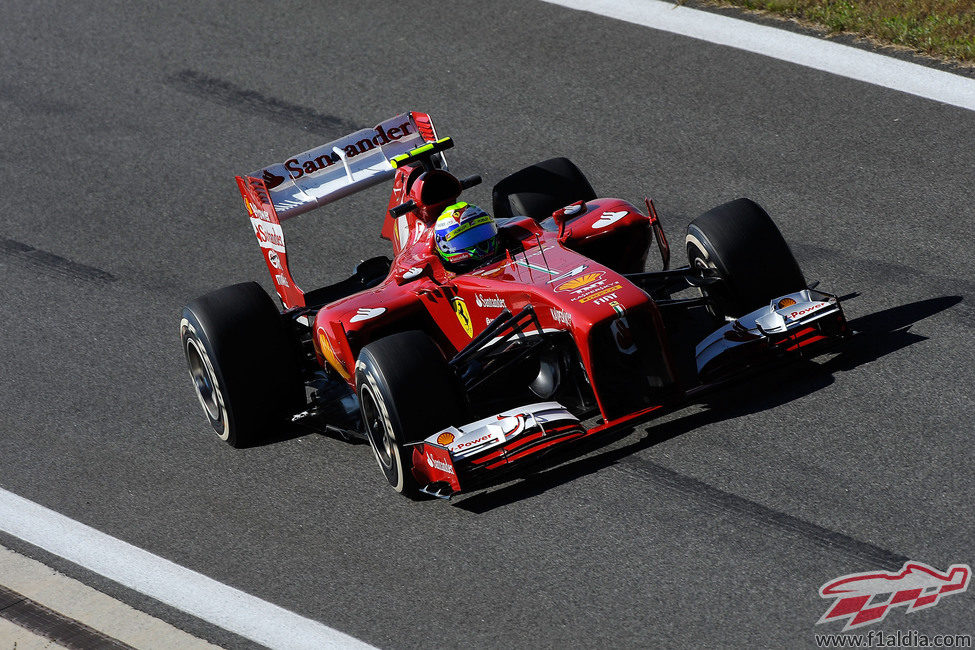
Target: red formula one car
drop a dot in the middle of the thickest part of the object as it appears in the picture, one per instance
(455, 375)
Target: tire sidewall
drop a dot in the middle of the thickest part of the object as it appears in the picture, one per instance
(416, 394)
(241, 337)
(717, 297)
(742, 246)
(192, 335)
(369, 380)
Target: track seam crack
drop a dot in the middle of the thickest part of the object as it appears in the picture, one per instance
(46, 261)
(226, 93)
(719, 500)
(57, 627)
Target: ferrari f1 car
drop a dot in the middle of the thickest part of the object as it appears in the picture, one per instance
(456, 377)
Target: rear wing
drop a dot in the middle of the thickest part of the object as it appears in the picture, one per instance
(319, 176)
(344, 166)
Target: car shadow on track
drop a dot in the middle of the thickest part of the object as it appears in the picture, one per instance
(300, 429)
(878, 334)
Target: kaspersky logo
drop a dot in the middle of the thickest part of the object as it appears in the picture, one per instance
(865, 598)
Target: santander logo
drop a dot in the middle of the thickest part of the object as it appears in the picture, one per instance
(268, 234)
(608, 219)
(439, 464)
(298, 168)
(490, 303)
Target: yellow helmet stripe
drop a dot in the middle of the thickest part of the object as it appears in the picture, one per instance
(460, 230)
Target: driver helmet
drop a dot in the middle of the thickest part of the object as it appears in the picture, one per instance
(465, 233)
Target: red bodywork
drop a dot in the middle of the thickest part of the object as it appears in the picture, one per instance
(562, 271)
(569, 291)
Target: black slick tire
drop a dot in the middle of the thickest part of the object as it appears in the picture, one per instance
(540, 189)
(242, 364)
(738, 242)
(407, 391)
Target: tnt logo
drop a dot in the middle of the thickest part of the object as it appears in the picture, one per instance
(865, 598)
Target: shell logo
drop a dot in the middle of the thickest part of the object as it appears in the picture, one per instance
(445, 438)
(580, 281)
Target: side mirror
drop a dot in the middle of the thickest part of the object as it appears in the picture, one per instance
(563, 215)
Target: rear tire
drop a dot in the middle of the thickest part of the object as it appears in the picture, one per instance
(243, 365)
(540, 189)
(406, 393)
(738, 242)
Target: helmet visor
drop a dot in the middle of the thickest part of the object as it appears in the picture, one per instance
(478, 231)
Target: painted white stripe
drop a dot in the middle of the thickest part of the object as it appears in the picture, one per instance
(167, 582)
(804, 50)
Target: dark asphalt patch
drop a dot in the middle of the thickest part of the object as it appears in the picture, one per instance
(49, 262)
(51, 625)
(720, 501)
(226, 93)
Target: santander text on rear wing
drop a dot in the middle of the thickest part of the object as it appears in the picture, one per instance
(319, 176)
(344, 166)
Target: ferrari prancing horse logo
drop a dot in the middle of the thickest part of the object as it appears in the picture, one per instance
(460, 309)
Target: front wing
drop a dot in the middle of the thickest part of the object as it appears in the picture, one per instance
(476, 453)
(475, 450)
(798, 324)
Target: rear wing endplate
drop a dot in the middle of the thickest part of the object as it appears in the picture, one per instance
(321, 175)
(270, 236)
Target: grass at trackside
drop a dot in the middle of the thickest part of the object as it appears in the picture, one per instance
(941, 28)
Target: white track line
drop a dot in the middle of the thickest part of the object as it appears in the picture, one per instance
(167, 582)
(804, 50)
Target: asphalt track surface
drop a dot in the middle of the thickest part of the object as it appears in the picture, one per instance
(123, 129)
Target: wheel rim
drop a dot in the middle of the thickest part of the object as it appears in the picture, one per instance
(203, 379)
(700, 263)
(377, 428)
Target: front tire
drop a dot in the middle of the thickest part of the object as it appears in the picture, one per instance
(540, 189)
(739, 243)
(242, 364)
(406, 392)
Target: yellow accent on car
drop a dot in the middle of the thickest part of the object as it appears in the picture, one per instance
(579, 281)
(330, 356)
(445, 438)
(463, 316)
(480, 221)
(396, 161)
